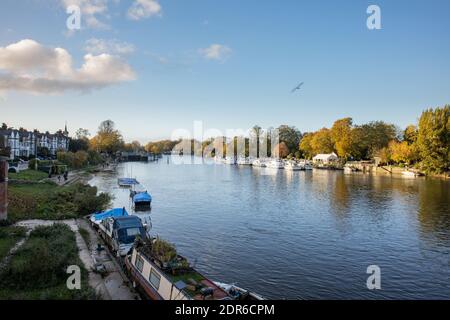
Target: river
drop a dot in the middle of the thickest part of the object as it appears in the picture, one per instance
(300, 235)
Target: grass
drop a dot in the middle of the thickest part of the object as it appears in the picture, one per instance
(9, 236)
(38, 269)
(51, 202)
(86, 236)
(28, 175)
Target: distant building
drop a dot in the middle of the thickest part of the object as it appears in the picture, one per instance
(24, 143)
(323, 158)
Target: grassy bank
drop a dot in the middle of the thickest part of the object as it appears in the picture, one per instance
(51, 202)
(8, 238)
(38, 269)
(28, 175)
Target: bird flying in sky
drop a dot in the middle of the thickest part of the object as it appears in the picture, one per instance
(297, 87)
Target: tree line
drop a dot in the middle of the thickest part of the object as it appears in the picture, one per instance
(425, 145)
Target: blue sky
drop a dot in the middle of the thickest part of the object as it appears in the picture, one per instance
(390, 74)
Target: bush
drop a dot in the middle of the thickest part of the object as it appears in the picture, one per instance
(40, 265)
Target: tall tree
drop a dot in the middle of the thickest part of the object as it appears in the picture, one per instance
(433, 139)
(290, 136)
(322, 142)
(108, 138)
(341, 133)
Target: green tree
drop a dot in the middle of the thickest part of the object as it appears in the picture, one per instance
(433, 139)
(290, 136)
(410, 134)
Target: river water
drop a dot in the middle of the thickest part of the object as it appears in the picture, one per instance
(294, 235)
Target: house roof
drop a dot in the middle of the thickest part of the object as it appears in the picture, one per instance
(325, 156)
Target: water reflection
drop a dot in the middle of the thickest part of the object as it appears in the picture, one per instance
(301, 234)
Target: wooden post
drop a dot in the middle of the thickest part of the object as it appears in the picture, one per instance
(3, 188)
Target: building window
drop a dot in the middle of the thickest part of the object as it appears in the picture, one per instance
(139, 263)
(155, 279)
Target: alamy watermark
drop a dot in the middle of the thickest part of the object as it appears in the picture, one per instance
(74, 280)
(212, 144)
(73, 22)
(374, 280)
(374, 20)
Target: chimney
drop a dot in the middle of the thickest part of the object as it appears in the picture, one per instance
(3, 188)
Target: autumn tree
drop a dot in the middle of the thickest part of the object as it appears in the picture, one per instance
(305, 145)
(341, 133)
(108, 138)
(280, 150)
(322, 142)
(433, 139)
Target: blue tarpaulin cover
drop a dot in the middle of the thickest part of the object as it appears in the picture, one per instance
(142, 197)
(116, 212)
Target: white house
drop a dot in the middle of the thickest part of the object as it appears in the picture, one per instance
(324, 158)
(23, 143)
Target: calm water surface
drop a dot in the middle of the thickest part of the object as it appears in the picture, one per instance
(294, 235)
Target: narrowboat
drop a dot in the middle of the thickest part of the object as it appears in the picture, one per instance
(159, 273)
(120, 233)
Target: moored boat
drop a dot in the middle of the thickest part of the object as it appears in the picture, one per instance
(411, 174)
(98, 217)
(127, 182)
(120, 233)
(142, 201)
(258, 163)
(275, 164)
(292, 165)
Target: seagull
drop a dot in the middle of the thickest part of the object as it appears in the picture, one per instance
(297, 87)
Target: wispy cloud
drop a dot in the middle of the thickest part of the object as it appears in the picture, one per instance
(141, 9)
(31, 67)
(217, 52)
(111, 46)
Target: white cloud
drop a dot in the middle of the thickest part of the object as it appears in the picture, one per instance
(113, 46)
(90, 11)
(141, 9)
(216, 52)
(31, 67)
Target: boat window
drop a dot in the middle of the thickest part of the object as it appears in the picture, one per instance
(155, 279)
(139, 263)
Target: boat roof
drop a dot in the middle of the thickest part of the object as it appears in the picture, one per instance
(116, 212)
(128, 181)
(127, 222)
(142, 197)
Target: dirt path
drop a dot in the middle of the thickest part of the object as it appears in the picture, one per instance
(114, 286)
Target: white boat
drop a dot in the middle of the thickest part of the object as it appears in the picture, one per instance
(275, 164)
(244, 162)
(411, 174)
(306, 165)
(293, 166)
(238, 293)
(258, 163)
(230, 160)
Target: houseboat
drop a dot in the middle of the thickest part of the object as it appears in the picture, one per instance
(159, 273)
(120, 233)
